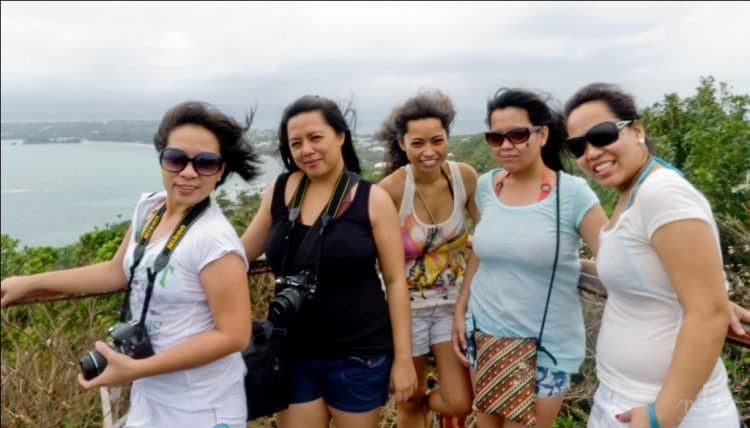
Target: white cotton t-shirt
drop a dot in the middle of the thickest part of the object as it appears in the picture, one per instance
(179, 308)
(643, 316)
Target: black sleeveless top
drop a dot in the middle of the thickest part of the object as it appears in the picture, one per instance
(349, 315)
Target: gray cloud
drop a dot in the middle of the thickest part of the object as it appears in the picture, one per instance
(90, 61)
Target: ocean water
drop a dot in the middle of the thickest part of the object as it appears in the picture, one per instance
(52, 193)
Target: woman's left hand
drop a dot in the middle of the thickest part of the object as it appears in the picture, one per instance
(120, 369)
(403, 379)
(738, 315)
(637, 417)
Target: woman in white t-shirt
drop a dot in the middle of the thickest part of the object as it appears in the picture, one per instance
(198, 316)
(658, 351)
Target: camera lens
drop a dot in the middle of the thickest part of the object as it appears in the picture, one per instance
(92, 364)
(286, 302)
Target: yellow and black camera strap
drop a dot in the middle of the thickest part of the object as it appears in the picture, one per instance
(161, 261)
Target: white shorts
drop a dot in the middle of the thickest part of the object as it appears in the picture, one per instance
(145, 413)
(714, 411)
(430, 326)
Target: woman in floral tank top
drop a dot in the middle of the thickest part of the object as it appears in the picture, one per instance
(433, 196)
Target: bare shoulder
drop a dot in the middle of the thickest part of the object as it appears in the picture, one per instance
(393, 184)
(469, 177)
(380, 202)
(378, 195)
(291, 185)
(467, 171)
(268, 193)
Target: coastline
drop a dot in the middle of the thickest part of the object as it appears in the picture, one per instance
(53, 193)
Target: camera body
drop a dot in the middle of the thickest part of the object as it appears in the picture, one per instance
(129, 338)
(292, 292)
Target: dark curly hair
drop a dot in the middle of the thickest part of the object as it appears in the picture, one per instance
(333, 117)
(235, 150)
(540, 113)
(426, 104)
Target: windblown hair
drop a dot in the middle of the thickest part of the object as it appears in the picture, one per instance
(426, 104)
(540, 113)
(235, 149)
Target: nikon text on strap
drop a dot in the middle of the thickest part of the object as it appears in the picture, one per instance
(161, 261)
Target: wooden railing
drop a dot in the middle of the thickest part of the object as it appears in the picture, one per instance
(42, 296)
(591, 284)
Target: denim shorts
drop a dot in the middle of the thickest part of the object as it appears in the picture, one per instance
(550, 382)
(430, 326)
(351, 384)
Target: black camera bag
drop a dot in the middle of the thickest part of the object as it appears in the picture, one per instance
(268, 383)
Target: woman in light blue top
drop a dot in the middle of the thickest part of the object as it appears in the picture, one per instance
(506, 284)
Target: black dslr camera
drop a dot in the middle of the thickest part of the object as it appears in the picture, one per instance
(129, 338)
(291, 293)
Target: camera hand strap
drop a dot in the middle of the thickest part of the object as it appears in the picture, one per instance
(161, 261)
(315, 234)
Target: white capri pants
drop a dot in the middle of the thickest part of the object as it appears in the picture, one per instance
(713, 411)
(144, 413)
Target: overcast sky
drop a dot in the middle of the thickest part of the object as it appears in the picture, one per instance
(90, 61)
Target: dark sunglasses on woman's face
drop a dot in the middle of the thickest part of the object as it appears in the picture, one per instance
(599, 135)
(175, 160)
(515, 136)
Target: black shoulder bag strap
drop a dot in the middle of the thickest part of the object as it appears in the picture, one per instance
(306, 249)
(161, 261)
(539, 345)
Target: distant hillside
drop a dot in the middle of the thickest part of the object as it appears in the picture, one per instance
(113, 130)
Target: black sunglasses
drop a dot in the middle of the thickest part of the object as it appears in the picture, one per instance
(204, 163)
(515, 136)
(599, 135)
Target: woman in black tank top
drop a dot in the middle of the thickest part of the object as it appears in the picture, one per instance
(349, 344)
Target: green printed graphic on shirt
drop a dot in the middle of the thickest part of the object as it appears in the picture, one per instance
(153, 328)
(167, 271)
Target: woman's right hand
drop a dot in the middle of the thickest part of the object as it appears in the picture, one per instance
(458, 337)
(121, 369)
(403, 380)
(13, 288)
